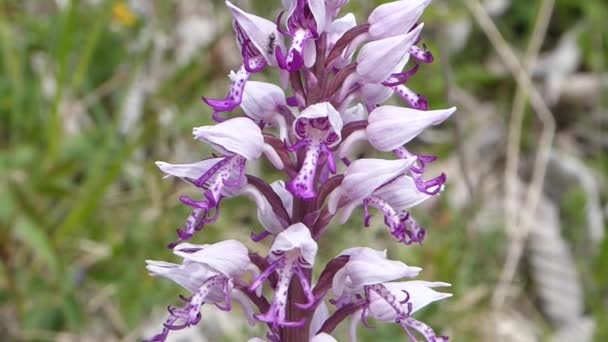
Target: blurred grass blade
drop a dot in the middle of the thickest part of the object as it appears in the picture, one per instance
(34, 237)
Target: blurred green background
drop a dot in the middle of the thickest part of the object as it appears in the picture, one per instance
(93, 92)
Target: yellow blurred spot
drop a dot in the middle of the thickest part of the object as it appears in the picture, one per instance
(123, 14)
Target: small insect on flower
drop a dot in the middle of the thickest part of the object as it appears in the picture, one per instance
(272, 40)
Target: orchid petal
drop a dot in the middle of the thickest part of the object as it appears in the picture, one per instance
(258, 30)
(366, 175)
(322, 110)
(229, 257)
(319, 317)
(296, 236)
(402, 193)
(187, 171)
(391, 127)
(261, 100)
(377, 59)
(239, 135)
(420, 294)
(368, 268)
(317, 8)
(395, 18)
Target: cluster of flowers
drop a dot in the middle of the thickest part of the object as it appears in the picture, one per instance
(338, 74)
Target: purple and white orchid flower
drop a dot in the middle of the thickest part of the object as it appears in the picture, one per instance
(239, 140)
(367, 280)
(304, 22)
(338, 75)
(292, 252)
(319, 128)
(254, 35)
(209, 273)
(390, 191)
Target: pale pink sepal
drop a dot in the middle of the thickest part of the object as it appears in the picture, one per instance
(235, 136)
(187, 171)
(395, 18)
(366, 175)
(390, 127)
(229, 257)
(296, 237)
(377, 59)
(367, 266)
(258, 30)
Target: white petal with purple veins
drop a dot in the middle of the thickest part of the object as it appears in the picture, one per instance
(402, 193)
(187, 171)
(323, 110)
(190, 275)
(420, 295)
(369, 267)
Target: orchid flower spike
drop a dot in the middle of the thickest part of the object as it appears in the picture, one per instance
(339, 72)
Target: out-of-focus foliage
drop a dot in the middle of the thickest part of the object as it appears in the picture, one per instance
(92, 92)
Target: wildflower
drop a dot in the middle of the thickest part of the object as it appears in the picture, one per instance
(239, 140)
(208, 272)
(338, 74)
(318, 128)
(253, 34)
(367, 279)
(292, 252)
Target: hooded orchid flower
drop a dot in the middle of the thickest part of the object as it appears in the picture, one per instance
(318, 127)
(396, 18)
(292, 252)
(379, 70)
(389, 128)
(395, 302)
(368, 280)
(305, 21)
(257, 38)
(338, 74)
(390, 191)
(208, 272)
(239, 140)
